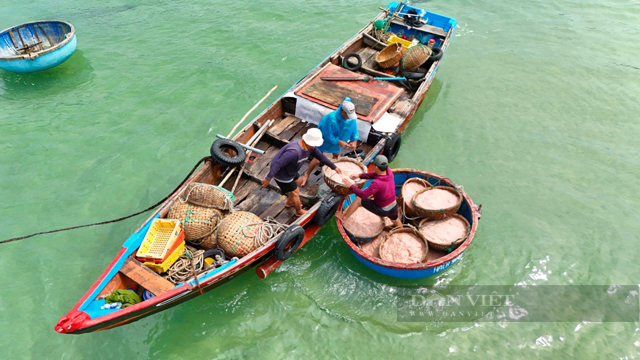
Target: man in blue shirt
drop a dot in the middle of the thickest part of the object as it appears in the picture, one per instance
(339, 130)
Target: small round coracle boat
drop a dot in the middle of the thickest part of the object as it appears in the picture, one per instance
(407, 191)
(437, 260)
(437, 202)
(348, 167)
(404, 245)
(36, 46)
(363, 226)
(445, 234)
(390, 55)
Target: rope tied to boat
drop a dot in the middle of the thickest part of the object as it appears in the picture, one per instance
(206, 158)
(268, 229)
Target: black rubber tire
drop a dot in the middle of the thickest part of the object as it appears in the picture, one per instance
(221, 157)
(352, 154)
(345, 62)
(327, 209)
(289, 242)
(392, 146)
(436, 54)
(211, 253)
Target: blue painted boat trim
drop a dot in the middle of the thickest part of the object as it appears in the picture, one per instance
(131, 244)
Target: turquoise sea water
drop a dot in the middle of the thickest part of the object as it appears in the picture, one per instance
(534, 110)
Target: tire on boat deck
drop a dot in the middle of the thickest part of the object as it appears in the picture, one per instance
(289, 242)
(392, 146)
(327, 208)
(219, 154)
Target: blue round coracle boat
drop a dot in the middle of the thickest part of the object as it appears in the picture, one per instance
(437, 261)
(36, 46)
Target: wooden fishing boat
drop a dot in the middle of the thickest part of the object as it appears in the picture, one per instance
(36, 46)
(438, 261)
(385, 109)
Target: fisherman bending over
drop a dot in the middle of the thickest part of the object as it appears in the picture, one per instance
(288, 161)
(382, 188)
(339, 129)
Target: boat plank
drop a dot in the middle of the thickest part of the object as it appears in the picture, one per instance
(334, 94)
(288, 134)
(144, 276)
(283, 124)
(275, 208)
(267, 201)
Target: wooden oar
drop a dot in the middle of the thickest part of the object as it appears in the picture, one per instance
(250, 111)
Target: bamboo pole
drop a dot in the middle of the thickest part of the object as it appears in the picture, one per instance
(249, 112)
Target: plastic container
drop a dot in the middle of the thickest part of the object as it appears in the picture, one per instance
(160, 241)
(431, 43)
(405, 43)
(164, 266)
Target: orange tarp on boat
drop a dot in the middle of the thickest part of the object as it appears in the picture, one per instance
(371, 98)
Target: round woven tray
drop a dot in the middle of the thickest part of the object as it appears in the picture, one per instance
(338, 187)
(410, 230)
(237, 233)
(389, 56)
(447, 245)
(435, 214)
(198, 221)
(207, 195)
(407, 209)
(363, 238)
(414, 57)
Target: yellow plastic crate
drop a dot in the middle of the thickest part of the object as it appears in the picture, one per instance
(162, 235)
(160, 268)
(405, 43)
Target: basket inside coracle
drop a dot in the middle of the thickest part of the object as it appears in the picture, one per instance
(207, 195)
(390, 249)
(406, 206)
(436, 212)
(334, 181)
(363, 226)
(445, 239)
(390, 55)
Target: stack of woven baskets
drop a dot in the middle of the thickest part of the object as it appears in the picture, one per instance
(209, 220)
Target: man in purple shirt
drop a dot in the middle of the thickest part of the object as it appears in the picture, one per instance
(288, 161)
(382, 188)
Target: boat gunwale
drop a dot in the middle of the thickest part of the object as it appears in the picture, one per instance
(430, 264)
(34, 55)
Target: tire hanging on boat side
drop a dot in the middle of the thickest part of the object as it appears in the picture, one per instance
(392, 146)
(327, 209)
(219, 155)
(357, 66)
(289, 242)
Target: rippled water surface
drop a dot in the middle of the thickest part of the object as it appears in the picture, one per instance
(534, 110)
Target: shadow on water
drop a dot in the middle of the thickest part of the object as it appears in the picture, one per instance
(74, 72)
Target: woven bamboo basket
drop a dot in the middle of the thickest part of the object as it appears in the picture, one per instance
(435, 214)
(414, 57)
(410, 230)
(390, 55)
(210, 242)
(198, 221)
(407, 208)
(363, 238)
(207, 195)
(437, 243)
(237, 233)
(338, 187)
